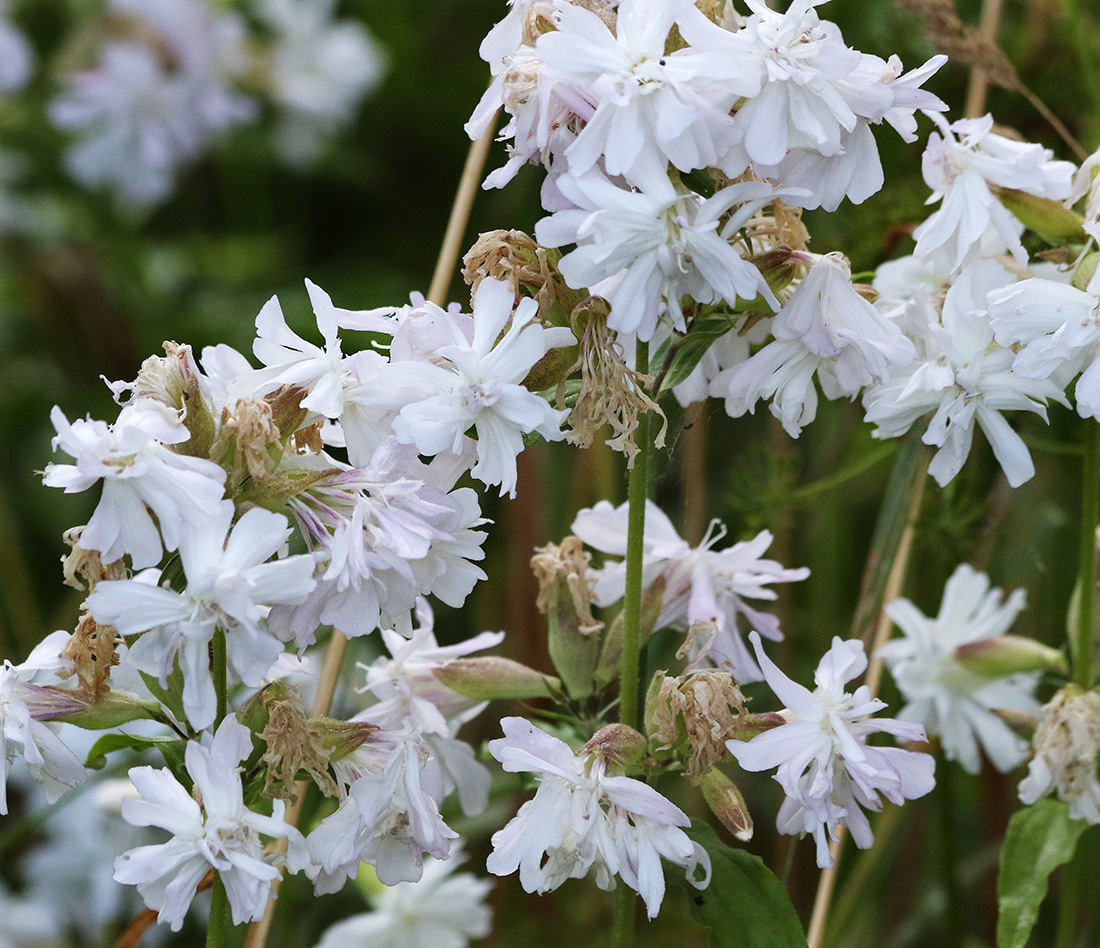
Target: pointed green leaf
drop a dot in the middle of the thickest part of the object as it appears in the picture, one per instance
(703, 334)
(171, 747)
(1040, 838)
(745, 905)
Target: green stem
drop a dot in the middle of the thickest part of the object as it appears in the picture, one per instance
(637, 489)
(1086, 579)
(220, 930)
(622, 931)
(219, 671)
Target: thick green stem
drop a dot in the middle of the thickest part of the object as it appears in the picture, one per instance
(635, 534)
(1086, 576)
(219, 671)
(219, 932)
(622, 931)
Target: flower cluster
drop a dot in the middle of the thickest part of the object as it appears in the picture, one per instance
(164, 82)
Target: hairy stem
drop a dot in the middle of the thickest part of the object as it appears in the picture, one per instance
(1086, 574)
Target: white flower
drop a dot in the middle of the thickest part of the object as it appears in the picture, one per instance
(962, 377)
(825, 329)
(809, 124)
(384, 535)
(565, 830)
(961, 170)
(212, 830)
(667, 239)
(826, 768)
(49, 761)
(139, 473)
(482, 389)
(701, 584)
(16, 55)
(950, 701)
(229, 584)
(443, 910)
(1066, 743)
(389, 817)
(406, 685)
(1059, 328)
(650, 108)
(320, 71)
(153, 104)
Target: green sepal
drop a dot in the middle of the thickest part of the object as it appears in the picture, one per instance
(112, 710)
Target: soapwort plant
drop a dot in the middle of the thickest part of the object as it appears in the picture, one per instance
(256, 514)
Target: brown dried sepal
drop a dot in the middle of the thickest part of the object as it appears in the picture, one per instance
(700, 708)
(566, 566)
(293, 744)
(84, 568)
(92, 650)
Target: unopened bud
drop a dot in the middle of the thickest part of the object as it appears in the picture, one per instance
(1049, 218)
(565, 598)
(341, 739)
(778, 266)
(617, 743)
(46, 703)
(727, 803)
(1086, 270)
(1009, 654)
(490, 677)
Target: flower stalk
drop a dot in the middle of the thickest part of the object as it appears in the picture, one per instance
(1086, 579)
(629, 706)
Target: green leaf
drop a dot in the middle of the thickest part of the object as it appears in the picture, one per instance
(702, 335)
(1040, 838)
(172, 696)
(745, 905)
(170, 747)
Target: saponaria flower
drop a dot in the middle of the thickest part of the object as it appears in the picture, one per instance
(701, 584)
(951, 701)
(823, 762)
(211, 829)
(584, 817)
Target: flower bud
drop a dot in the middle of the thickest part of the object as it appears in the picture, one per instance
(47, 703)
(727, 803)
(1019, 722)
(341, 739)
(617, 743)
(1009, 654)
(1049, 218)
(490, 677)
(1085, 270)
(779, 266)
(565, 598)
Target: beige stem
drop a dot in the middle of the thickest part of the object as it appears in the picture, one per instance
(460, 216)
(978, 89)
(823, 899)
